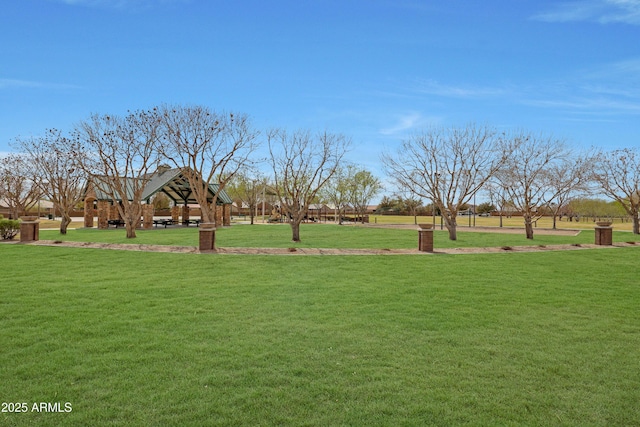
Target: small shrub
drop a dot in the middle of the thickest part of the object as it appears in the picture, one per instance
(9, 228)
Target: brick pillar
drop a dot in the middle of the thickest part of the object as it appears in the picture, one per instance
(207, 236)
(226, 215)
(175, 214)
(147, 216)
(185, 213)
(88, 212)
(425, 238)
(29, 229)
(219, 215)
(604, 233)
(103, 214)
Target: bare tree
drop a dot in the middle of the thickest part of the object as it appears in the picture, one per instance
(447, 166)
(20, 184)
(363, 187)
(498, 196)
(55, 158)
(336, 190)
(210, 148)
(527, 176)
(408, 204)
(122, 153)
(248, 189)
(568, 179)
(618, 175)
(302, 164)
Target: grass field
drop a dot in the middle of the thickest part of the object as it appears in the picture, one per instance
(494, 221)
(463, 222)
(132, 338)
(322, 236)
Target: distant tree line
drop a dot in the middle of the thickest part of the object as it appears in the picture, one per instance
(445, 168)
(533, 175)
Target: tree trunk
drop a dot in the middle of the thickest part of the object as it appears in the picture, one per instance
(636, 224)
(295, 230)
(528, 226)
(452, 227)
(66, 220)
(132, 220)
(131, 230)
(207, 214)
(554, 221)
(251, 215)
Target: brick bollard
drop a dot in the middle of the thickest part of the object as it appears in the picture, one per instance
(207, 236)
(29, 229)
(604, 233)
(425, 238)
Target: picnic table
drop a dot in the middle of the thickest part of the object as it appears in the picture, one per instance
(115, 222)
(187, 222)
(164, 222)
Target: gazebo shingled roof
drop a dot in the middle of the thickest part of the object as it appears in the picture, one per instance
(171, 182)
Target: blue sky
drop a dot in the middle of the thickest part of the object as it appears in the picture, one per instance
(376, 70)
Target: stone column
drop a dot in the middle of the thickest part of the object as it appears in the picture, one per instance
(175, 214)
(103, 214)
(226, 215)
(604, 233)
(219, 215)
(88, 212)
(185, 213)
(29, 229)
(147, 216)
(425, 238)
(207, 236)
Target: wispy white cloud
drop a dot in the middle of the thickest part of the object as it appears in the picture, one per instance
(118, 4)
(610, 89)
(601, 11)
(626, 70)
(587, 105)
(433, 87)
(29, 84)
(408, 122)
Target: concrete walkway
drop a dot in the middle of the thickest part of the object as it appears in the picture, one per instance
(320, 251)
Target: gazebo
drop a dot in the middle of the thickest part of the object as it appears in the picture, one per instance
(171, 182)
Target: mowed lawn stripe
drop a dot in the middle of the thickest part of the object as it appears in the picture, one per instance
(175, 339)
(323, 236)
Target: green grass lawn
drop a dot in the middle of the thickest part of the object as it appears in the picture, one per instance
(322, 236)
(494, 221)
(133, 338)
